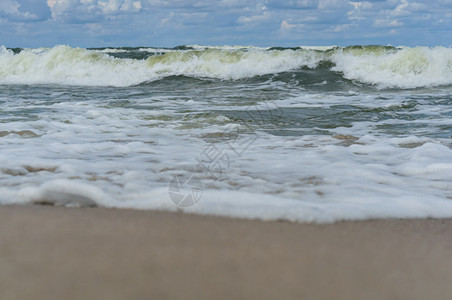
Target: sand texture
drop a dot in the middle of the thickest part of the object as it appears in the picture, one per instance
(95, 253)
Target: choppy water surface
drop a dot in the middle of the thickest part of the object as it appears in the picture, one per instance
(301, 134)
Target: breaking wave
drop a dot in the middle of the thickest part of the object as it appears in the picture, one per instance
(402, 68)
(382, 67)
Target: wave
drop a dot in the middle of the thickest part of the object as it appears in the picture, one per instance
(396, 68)
(383, 67)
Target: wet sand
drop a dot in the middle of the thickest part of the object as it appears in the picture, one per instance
(91, 253)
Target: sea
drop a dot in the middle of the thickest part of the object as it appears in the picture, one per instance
(305, 134)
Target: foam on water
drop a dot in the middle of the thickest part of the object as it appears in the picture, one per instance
(405, 68)
(70, 66)
(290, 150)
(373, 178)
(374, 65)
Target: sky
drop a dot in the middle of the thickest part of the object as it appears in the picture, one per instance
(169, 23)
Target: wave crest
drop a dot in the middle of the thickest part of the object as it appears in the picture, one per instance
(384, 67)
(402, 68)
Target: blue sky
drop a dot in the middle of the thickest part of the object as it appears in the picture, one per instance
(98, 23)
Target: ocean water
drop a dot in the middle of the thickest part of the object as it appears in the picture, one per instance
(316, 134)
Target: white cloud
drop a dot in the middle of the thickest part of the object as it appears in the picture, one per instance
(364, 5)
(166, 22)
(254, 19)
(9, 6)
(24, 10)
(167, 19)
(341, 28)
(90, 10)
(111, 6)
(286, 27)
(309, 19)
(400, 9)
(387, 23)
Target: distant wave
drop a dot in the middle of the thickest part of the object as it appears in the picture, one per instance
(380, 66)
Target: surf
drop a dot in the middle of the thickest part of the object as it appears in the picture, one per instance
(377, 66)
(396, 68)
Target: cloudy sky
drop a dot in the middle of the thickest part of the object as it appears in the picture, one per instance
(98, 23)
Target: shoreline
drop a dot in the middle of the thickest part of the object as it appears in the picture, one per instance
(54, 252)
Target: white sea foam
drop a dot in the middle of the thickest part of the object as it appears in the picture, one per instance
(383, 67)
(227, 47)
(232, 64)
(405, 68)
(323, 156)
(69, 66)
(88, 151)
(322, 184)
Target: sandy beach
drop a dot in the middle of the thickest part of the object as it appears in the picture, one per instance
(92, 253)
